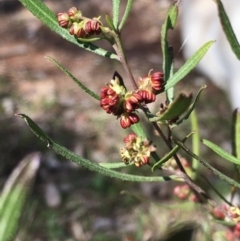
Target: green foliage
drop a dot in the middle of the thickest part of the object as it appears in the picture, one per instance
(124, 104)
(235, 133)
(80, 84)
(221, 152)
(47, 17)
(226, 25)
(126, 13)
(14, 194)
(178, 107)
(190, 64)
(84, 162)
(116, 8)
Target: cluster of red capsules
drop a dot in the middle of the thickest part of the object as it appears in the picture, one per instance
(229, 214)
(78, 25)
(136, 150)
(116, 100)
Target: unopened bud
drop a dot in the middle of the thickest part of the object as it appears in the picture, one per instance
(64, 20)
(77, 30)
(75, 14)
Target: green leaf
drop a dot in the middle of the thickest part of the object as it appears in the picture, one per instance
(126, 14)
(47, 17)
(175, 109)
(167, 50)
(195, 141)
(191, 108)
(236, 133)
(214, 171)
(86, 163)
(14, 194)
(170, 91)
(114, 165)
(116, 9)
(227, 28)
(89, 40)
(219, 193)
(110, 23)
(227, 156)
(80, 84)
(170, 154)
(190, 64)
(138, 129)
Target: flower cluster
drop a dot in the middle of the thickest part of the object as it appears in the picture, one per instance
(229, 214)
(116, 100)
(151, 85)
(78, 25)
(233, 233)
(136, 151)
(172, 165)
(184, 192)
(234, 214)
(219, 212)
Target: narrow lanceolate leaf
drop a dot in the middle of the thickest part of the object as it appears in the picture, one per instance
(114, 165)
(115, 10)
(110, 23)
(223, 177)
(227, 28)
(190, 64)
(86, 163)
(167, 50)
(195, 139)
(236, 133)
(126, 14)
(227, 156)
(176, 108)
(170, 154)
(191, 107)
(80, 84)
(170, 91)
(14, 194)
(47, 17)
(169, 23)
(138, 129)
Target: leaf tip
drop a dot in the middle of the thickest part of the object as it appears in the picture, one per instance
(19, 115)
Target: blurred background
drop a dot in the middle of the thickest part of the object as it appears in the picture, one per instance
(68, 202)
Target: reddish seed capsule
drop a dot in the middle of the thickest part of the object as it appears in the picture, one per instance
(92, 27)
(77, 30)
(72, 11)
(88, 28)
(157, 81)
(110, 101)
(75, 14)
(63, 20)
(147, 96)
(218, 213)
(125, 122)
(128, 119)
(143, 160)
(133, 118)
(182, 191)
(237, 227)
(157, 76)
(129, 139)
(95, 26)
